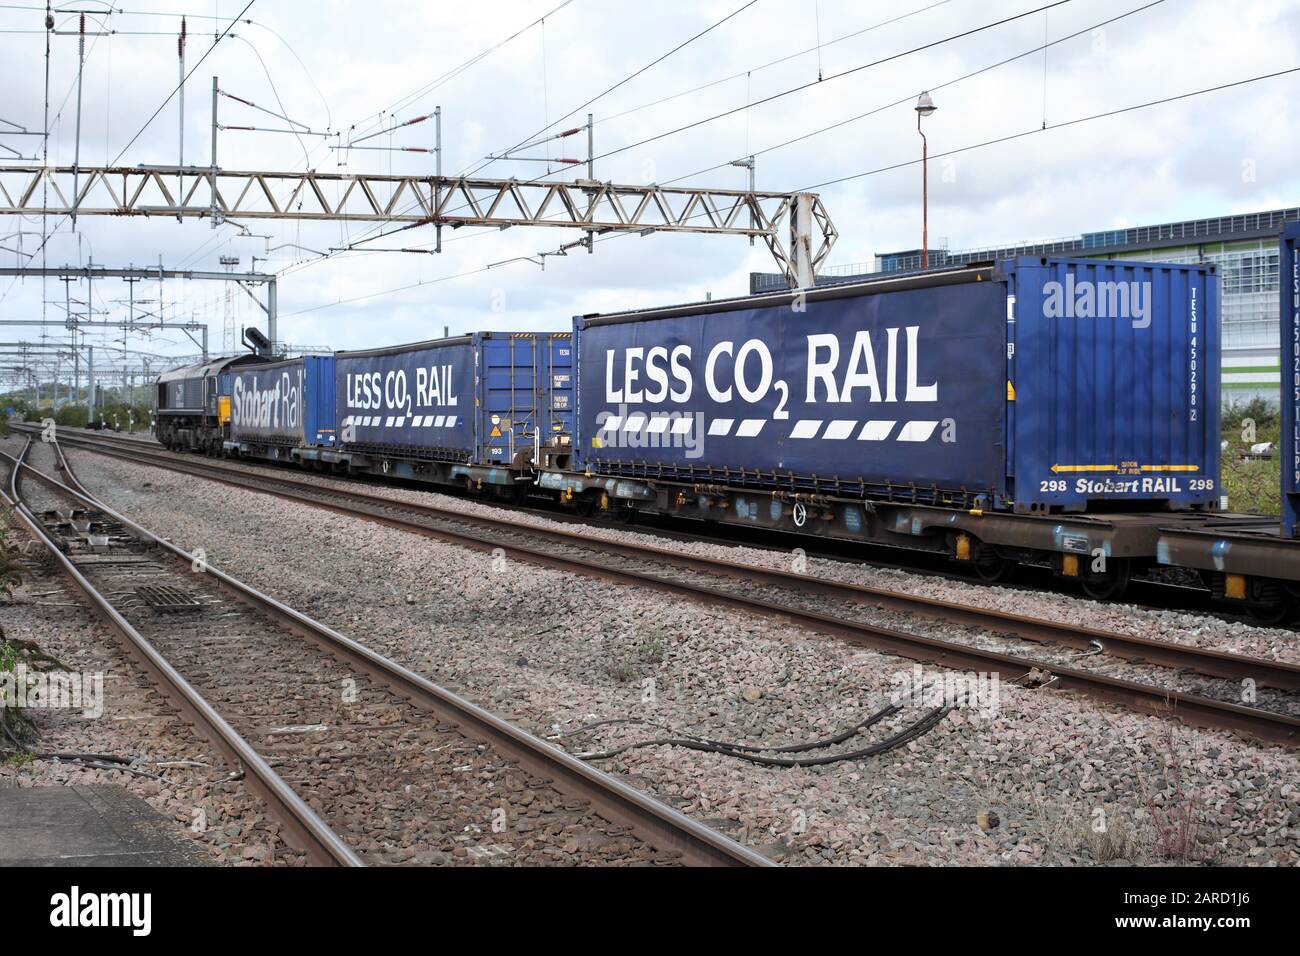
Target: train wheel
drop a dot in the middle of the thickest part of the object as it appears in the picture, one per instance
(1109, 585)
(1269, 615)
(992, 568)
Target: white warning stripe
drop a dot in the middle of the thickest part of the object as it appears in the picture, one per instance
(612, 423)
(750, 427)
(682, 426)
(451, 421)
(440, 421)
(807, 428)
(635, 422)
(917, 431)
(417, 421)
(876, 431)
(399, 422)
(721, 427)
(838, 430)
(659, 424)
(389, 422)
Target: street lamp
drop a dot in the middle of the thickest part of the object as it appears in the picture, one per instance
(924, 107)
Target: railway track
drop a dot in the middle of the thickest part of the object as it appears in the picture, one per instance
(362, 760)
(1146, 593)
(752, 588)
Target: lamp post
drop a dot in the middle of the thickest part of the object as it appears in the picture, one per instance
(924, 107)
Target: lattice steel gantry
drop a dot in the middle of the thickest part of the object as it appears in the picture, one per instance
(796, 226)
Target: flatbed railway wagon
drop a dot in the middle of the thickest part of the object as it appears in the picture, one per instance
(1030, 410)
(483, 411)
(192, 404)
(282, 411)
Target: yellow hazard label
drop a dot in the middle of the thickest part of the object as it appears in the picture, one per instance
(496, 431)
(1011, 391)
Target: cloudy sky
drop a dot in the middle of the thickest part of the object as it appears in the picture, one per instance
(340, 66)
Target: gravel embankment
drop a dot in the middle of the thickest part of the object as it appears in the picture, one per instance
(1184, 627)
(556, 652)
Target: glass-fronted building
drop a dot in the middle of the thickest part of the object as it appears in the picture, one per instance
(1244, 248)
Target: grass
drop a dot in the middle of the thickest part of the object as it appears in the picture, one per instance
(1252, 486)
(639, 658)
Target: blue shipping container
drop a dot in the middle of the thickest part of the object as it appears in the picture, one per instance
(409, 400)
(525, 394)
(284, 403)
(1290, 283)
(485, 398)
(1037, 384)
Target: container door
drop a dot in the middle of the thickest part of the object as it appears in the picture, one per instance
(1117, 367)
(558, 388)
(509, 407)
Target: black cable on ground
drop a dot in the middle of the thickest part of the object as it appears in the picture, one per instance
(838, 738)
(921, 727)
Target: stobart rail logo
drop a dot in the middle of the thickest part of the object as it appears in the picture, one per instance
(1085, 299)
(279, 406)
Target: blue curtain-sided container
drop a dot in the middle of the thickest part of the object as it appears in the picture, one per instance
(284, 403)
(1033, 385)
(486, 398)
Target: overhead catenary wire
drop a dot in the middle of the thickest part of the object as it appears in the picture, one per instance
(975, 30)
(771, 63)
(444, 78)
(229, 26)
(1063, 125)
(834, 76)
(882, 169)
(369, 235)
(627, 79)
(909, 98)
(156, 112)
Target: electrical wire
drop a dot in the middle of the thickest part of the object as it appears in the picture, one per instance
(186, 78)
(1055, 126)
(627, 79)
(770, 63)
(834, 76)
(911, 96)
(853, 70)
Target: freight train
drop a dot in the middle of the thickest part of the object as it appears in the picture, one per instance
(1037, 410)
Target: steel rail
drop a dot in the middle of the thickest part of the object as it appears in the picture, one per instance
(657, 823)
(1146, 698)
(303, 826)
(1265, 673)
